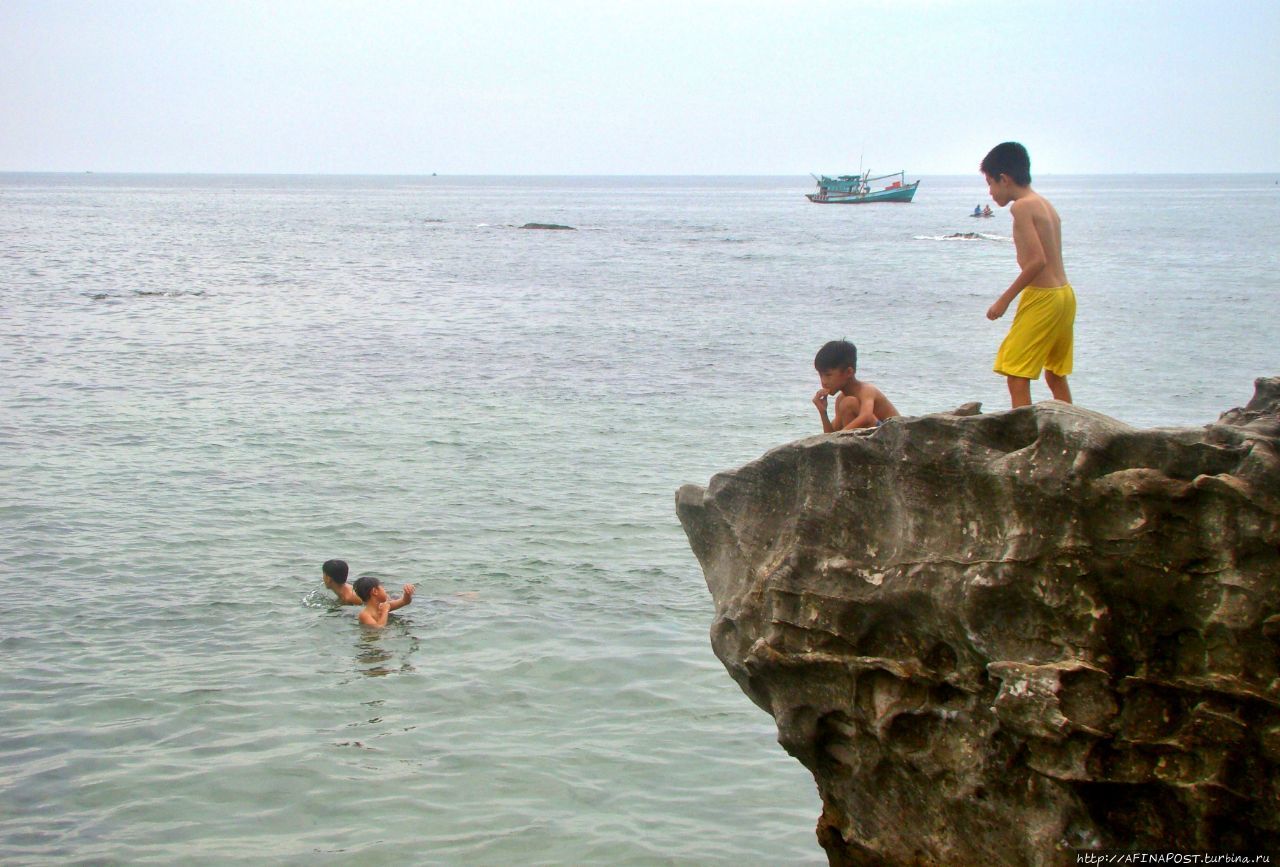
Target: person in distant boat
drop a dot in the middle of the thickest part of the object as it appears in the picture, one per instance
(858, 404)
(1041, 336)
(334, 575)
(977, 210)
(377, 605)
(986, 212)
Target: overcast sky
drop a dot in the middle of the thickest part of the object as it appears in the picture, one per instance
(617, 87)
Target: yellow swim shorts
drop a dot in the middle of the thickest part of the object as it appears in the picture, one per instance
(1041, 334)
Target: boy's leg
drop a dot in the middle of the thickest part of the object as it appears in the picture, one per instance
(1019, 391)
(1057, 385)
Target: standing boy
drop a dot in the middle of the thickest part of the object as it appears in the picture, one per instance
(858, 403)
(1041, 334)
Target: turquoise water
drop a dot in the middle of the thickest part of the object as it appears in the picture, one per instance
(213, 384)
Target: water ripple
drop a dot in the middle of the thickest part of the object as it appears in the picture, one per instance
(214, 385)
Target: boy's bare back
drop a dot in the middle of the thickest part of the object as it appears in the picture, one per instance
(1037, 240)
(1037, 234)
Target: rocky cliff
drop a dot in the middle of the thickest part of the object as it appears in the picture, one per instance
(997, 638)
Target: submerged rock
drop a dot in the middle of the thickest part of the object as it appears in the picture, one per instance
(548, 226)
(994, 639)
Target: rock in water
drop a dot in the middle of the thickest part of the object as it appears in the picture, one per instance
(994, 639)
(552, 226)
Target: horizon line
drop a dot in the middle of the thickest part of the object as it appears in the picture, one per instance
(303, 174)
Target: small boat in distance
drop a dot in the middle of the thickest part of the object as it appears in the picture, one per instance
(856, 189)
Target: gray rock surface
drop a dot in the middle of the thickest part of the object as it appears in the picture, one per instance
(994, 639)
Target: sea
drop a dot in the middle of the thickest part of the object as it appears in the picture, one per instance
(209, 385)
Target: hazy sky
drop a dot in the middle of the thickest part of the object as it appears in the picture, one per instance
(617, 87)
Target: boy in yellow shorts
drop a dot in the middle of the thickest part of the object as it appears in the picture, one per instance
(1041, 334)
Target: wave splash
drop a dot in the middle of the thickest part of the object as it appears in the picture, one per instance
(961, 236)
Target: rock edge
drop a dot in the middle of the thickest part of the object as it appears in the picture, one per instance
(1001, 638)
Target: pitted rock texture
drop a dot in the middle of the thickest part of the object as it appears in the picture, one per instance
(995, 639)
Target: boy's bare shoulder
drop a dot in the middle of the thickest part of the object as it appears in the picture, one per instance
(1027, 206)
(884, 407)
(1032, 205)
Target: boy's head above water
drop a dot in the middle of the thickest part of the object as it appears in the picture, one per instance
(367, 587)
(335, 571)
(836, 363)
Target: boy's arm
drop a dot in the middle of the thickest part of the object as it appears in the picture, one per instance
(866, 414)
(865, 418)
(820, 401)
(405, 598)
(848, 408)
(1031, 256)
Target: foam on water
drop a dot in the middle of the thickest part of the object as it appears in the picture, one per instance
(962, 236)
(212, 385)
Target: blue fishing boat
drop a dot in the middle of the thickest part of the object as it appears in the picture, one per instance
(856, 189)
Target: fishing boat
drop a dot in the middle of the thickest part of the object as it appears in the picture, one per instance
(856, 189)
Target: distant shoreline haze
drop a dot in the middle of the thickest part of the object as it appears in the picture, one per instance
(832, 172)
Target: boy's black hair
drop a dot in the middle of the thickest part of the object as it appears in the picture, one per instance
(336, 569)
(836, 355)
(364, 586)
(1008, 158)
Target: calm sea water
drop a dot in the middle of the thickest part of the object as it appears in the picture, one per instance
(212, 384)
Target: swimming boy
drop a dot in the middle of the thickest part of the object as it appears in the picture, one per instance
(1042, 332)
(334, 573)
(376, 603)
(859, 404)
